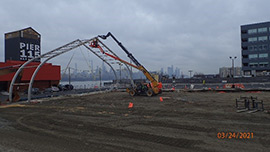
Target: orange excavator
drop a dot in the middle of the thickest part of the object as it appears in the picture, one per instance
(150, 89)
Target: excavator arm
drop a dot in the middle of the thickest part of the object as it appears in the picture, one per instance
(139, 66)
(155, 86)
(121, 46)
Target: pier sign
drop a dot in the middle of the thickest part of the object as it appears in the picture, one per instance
(22, 45)
(29, 51)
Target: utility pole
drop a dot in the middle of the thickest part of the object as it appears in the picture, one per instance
(69, 76)
(131, 70)
(232, 75)
(232, 71)
(100, 78)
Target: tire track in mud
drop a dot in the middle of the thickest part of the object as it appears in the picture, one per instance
(61, 131)
(178, 126)
(70, 128)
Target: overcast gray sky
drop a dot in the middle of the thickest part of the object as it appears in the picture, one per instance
(189, 34)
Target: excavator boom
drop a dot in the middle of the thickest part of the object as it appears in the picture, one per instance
(140, 67)
(155, 86)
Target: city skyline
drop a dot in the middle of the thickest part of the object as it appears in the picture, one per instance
(197, 35)
(94, 72)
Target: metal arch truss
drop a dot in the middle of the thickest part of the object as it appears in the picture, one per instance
(112, 61)
(61, 50)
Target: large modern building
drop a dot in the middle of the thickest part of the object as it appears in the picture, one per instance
(255, 45)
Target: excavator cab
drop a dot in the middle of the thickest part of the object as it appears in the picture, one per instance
(144, 89)
(94, 44)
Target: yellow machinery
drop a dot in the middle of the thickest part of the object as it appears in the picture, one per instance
(151, 89)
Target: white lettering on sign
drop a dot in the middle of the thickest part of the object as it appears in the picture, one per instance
(29, 51)
(22, 45)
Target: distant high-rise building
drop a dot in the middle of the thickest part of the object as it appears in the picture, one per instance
(104, 70)
(161, 71)
(76, 69)
(177, 72)
(255, 45)
(92, 66)
(97, 70)
(170, 71)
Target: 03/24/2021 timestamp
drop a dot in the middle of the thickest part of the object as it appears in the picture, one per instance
(235, 135)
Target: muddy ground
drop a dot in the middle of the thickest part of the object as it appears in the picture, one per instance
(103, 122)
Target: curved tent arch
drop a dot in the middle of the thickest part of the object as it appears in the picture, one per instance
(50, 55)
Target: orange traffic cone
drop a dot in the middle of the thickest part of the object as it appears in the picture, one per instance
(161, 99)
(130, 105)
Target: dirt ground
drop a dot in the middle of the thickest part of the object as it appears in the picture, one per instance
(183, 121)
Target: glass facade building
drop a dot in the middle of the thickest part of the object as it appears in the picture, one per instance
(255, 44)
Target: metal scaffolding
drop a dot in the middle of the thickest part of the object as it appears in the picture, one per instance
(61, 50)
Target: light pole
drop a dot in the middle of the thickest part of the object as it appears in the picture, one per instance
(232, 58)
(100, 84)
(69, 79)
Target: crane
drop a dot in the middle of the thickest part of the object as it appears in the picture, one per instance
(151, 89)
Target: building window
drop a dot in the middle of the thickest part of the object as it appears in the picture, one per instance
(253, 65)
(265, 47)
(263, 55)
(252, 31)
(244, 40)
(260, 47)
(263, 64)
(245, 48)
(255, 48)
(262, 38)
(262, 30)
(252, 39)
(253, 56)
(244, 31)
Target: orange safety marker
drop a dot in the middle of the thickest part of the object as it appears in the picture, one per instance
(161, 99)
(130, 105)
